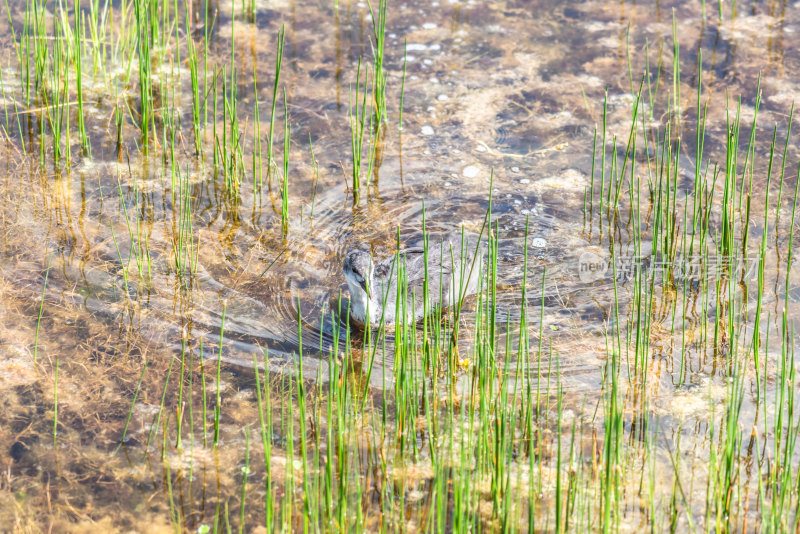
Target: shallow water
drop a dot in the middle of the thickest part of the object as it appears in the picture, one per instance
(506, 95)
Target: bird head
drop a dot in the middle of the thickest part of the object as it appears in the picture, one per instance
(358, 269)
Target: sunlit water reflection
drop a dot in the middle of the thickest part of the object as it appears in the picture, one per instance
(507, 94)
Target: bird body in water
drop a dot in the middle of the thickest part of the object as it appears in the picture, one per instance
(452, 268)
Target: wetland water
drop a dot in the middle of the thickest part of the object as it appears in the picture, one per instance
(145, 266)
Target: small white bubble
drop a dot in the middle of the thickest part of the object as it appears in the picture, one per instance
(442, 97)
(435, 46)
(538, 242)
(514, 169)
(447, 184)
(417, 47)
(434, 80)
(427, 62)
(429, 25)
(524, 181)
(470, 171)
(430, 108)
(480, 148)
(427, 130)
(517, 201)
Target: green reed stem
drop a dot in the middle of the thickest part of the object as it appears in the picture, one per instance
(41, 311)
(278, 60)
(218, 400)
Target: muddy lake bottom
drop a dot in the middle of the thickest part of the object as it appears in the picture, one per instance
(180, 183)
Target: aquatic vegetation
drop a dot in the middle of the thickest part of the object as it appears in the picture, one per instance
(276, 79)
(180, 357)
(285, 187)
(358, 128)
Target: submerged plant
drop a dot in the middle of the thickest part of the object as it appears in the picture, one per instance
(359, 128)
(468, 420)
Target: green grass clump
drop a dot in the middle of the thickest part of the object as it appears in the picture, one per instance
(466, 420)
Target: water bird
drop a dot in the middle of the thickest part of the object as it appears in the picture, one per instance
(454, 265)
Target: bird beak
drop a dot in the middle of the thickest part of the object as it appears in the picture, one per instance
(367, 289)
